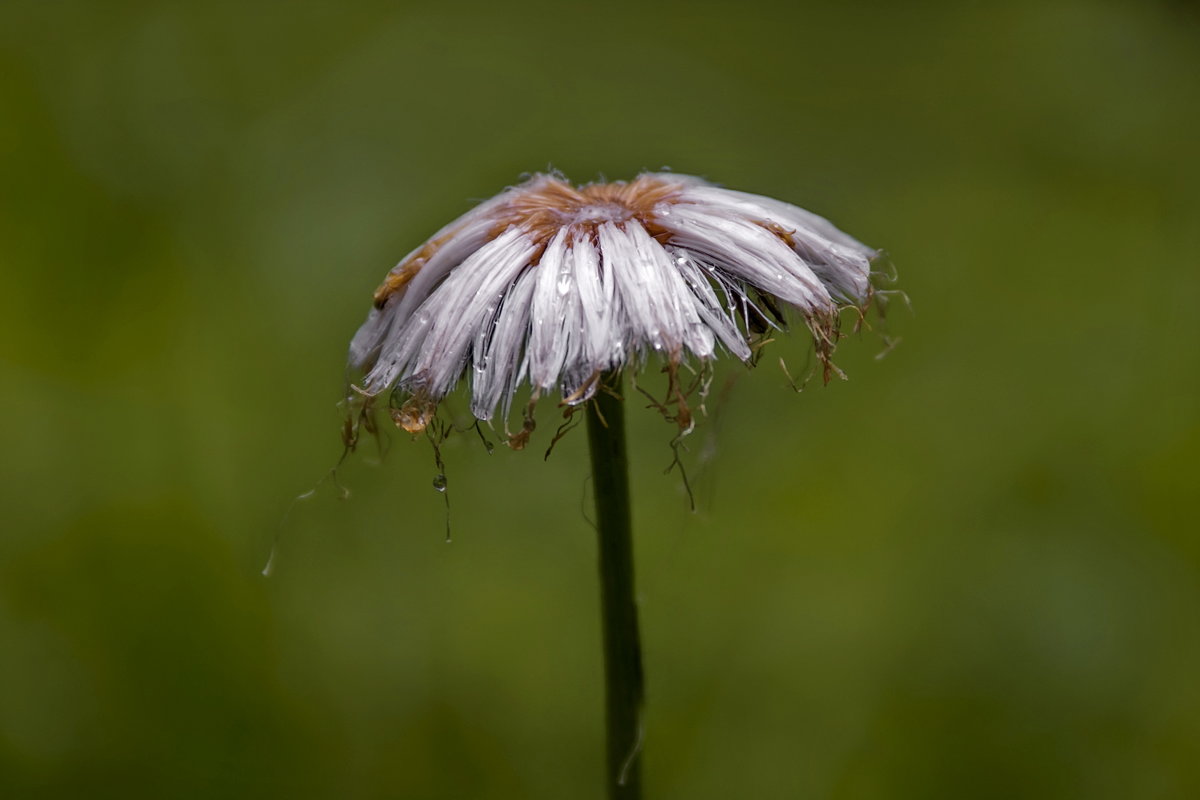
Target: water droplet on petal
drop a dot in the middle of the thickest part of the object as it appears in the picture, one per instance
(564, 279)
(439, 482)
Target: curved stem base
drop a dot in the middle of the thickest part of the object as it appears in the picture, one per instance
(622, 643)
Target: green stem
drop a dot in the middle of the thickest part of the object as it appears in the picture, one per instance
(622, 644)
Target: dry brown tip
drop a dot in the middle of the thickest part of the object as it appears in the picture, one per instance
(415, 415)
(407, 269)
(785, 234)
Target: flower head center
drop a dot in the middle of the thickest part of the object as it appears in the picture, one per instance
(594, 214)
(544, 206)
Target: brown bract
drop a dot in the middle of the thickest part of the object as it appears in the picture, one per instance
(551, 204)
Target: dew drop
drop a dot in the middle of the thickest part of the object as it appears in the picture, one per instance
(439, 482)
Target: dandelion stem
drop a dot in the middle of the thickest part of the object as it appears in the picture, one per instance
(622, 644)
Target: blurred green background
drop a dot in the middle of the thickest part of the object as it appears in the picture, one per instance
(969, 571)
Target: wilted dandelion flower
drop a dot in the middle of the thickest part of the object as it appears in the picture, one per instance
(556, 285)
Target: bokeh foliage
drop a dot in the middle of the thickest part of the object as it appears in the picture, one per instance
(969, 571)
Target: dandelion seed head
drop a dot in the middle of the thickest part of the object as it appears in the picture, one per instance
(552, 284)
